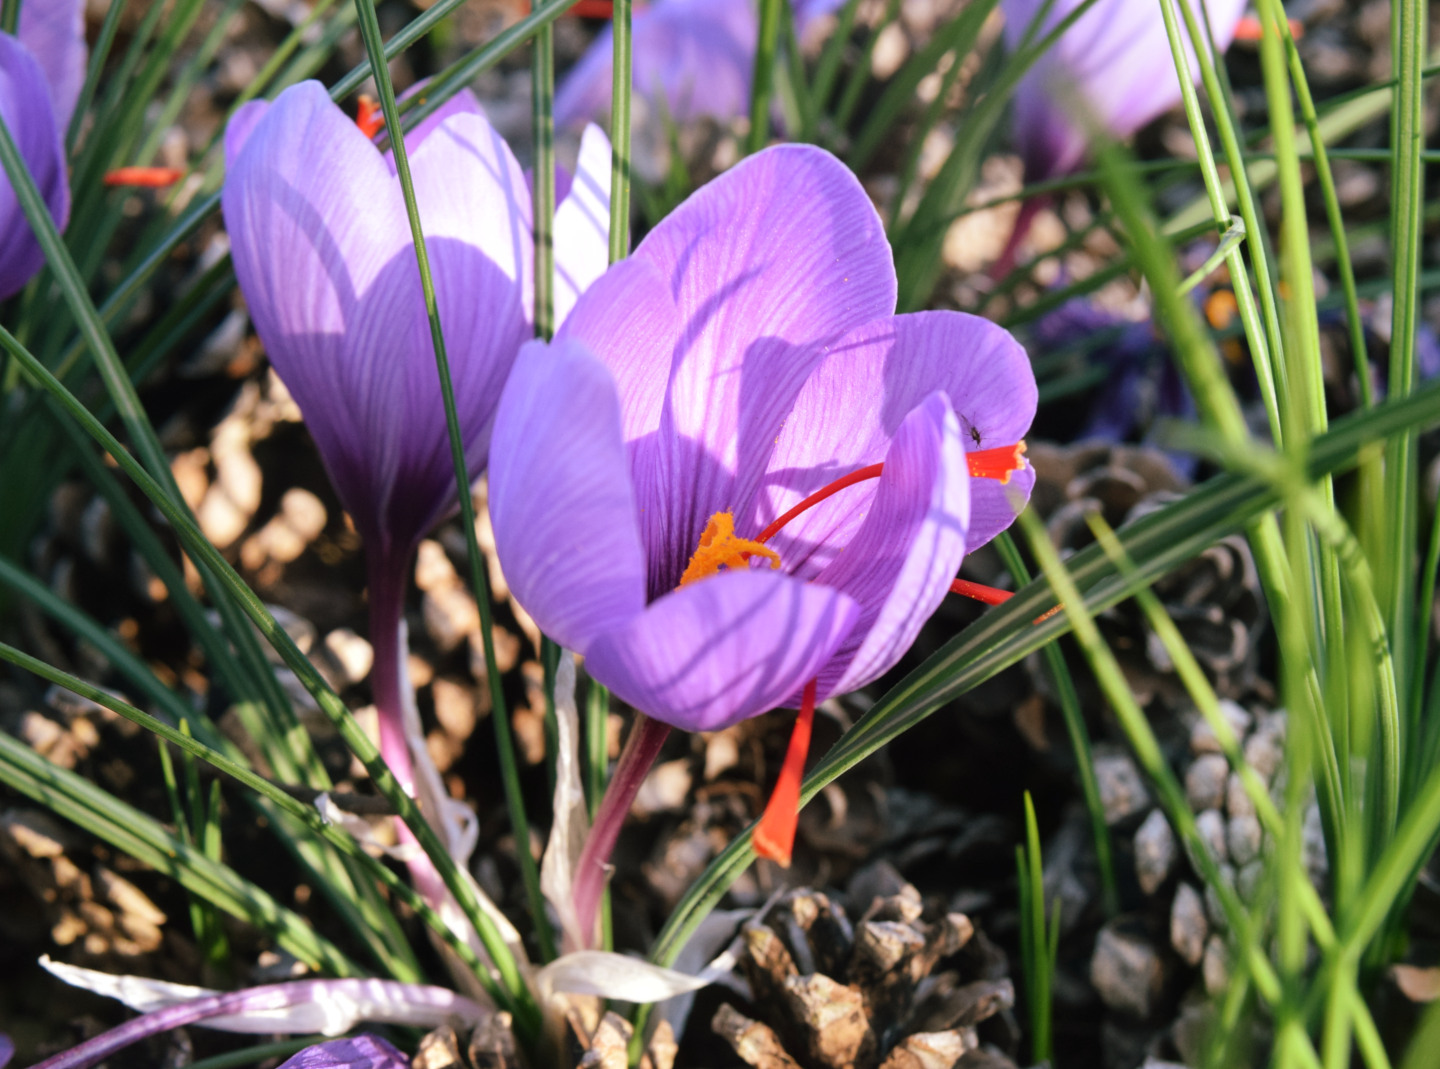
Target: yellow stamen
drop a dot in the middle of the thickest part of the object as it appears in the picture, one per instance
(720, 548)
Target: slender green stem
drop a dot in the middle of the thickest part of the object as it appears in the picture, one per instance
(762, 82)
(1397, 571)
(96, 66)
(370, 32)
(1074, 718)
(620, 93)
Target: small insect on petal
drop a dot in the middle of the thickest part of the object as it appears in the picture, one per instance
(145, 177)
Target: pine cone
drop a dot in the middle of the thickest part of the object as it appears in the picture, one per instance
(830, 994)
(1176, 942)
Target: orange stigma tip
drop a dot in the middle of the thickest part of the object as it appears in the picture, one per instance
(147, 177)
(775, 834)
(996, 463)
(1250, 28)
(369, 117)
(719, 547)
(980, 592)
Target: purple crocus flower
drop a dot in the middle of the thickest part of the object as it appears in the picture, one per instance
(41, 71)
(1113, 66)
(693, 57)
(323, 254)
(745, 357)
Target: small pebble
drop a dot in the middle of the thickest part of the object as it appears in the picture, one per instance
(1188, 926)
(1237, 802)
(1216, 968)
(1122, 791)
(1155, 851)
(1243, 836)
(1127, 970)
(351, 653)
(1205, 781)
(1213, 908)
(1249, 878)
(1203, 739)
(1211, 826)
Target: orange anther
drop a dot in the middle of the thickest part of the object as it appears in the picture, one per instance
(147, 177)
(1250, 28)
(775, 834)
(719, 547)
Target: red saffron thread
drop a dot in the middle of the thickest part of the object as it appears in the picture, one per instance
(368, 116)
(146, 177)
(775, 834)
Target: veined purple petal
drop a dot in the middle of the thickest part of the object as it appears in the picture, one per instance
(582, 223)
(1113, 64)
(899, 565)
(691, 57)
(241, 125)
(462, 103)
(54, 32)
(723, 649)
(630, 322)
(853, 405)
(29, 116)
(324, 256)
(357, 1052)
(768, 263)
(560, 497)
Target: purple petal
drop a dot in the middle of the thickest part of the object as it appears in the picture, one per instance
(358, 1052)
(7, 1050)
(241, 125)
(324, 256)
(722, 649)
(582, 223)
(689, 57)
(1113, 65)
(560, 497)
(54, 32)
(462, 103)
(768, 263)
(853, 405)
(899, 565)
(30, 118)
(629, 321)
(475, 209)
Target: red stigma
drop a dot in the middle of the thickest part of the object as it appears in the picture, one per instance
(871, 471)
(369, 117)
(996, 463)
(146, 177)
(775, 834)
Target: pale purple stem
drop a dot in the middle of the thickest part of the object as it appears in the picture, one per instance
(1030, 208)
(638, 754)
(388, 683)
(383, 1000)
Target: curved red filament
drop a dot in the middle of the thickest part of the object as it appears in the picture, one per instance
(775, 834)
(980, 592)
(983, 464)
(145, 177)
(369, 117)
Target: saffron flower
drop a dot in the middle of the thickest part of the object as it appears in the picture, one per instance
(323, 254)
(692, 58)
(41, 71)
(1113, 67)
(743, 360)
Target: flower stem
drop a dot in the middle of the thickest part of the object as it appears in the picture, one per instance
(390, 686)
(641, 749)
